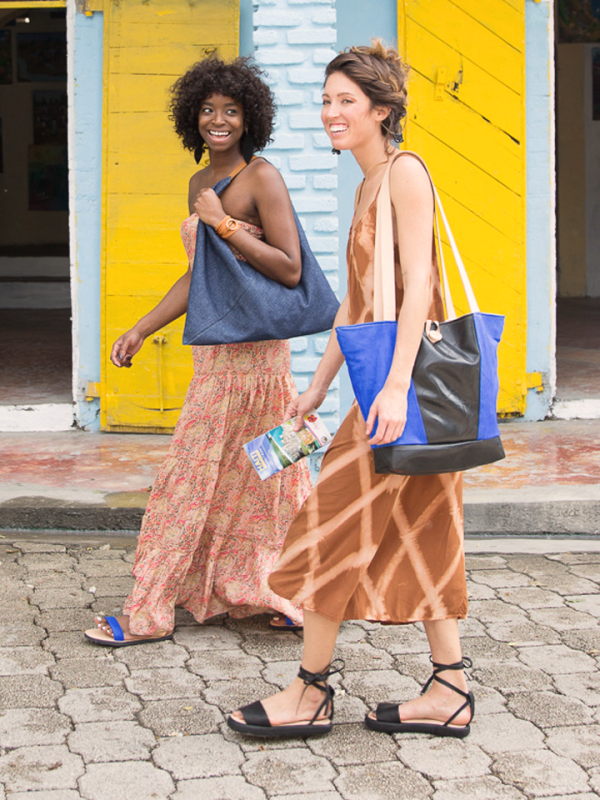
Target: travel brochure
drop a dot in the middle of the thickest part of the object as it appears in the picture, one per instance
(283, 446)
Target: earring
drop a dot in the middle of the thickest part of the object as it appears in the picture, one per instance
(199, 151)
(335, 152)
(247, 146)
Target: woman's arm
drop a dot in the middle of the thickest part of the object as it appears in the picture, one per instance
(328, 368)
(278, 257)
(172, 306)
(412, 199)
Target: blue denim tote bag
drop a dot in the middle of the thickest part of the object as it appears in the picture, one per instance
(451, 421)
(230, 301)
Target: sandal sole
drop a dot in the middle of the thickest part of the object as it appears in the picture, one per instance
(279, 731)
(130, 643)
(418, 727)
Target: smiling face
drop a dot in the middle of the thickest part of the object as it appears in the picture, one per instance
(221, 122)
(347, 113)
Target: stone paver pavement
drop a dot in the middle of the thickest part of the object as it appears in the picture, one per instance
(78, 721)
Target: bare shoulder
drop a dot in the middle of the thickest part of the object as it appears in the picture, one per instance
(409, 169)
(265, 173)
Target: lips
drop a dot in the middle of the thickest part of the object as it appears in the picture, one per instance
(219, 134)
(338, 129)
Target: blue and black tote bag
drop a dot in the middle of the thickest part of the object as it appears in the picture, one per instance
(451, 420)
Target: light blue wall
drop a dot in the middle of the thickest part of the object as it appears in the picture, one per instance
(357, 23)
(541, 225)
(246, 28)
(86, 185)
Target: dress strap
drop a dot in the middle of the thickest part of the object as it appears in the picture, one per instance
(239, 168)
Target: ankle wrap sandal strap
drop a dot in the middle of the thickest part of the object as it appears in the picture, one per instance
(464, 663)
(319, 681)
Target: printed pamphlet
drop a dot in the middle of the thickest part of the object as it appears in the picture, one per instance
(274, 450)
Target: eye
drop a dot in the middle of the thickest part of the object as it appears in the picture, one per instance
(326, 102)
(206, 110)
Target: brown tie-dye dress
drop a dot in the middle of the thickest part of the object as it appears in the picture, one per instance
(368, 546)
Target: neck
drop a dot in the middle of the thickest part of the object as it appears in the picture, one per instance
(369, 155)
(221, 164)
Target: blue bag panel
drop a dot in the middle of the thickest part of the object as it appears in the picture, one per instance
(489, 329)
(230, 301)
(369, 351)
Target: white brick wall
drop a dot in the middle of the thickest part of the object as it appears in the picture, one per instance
(291, 38)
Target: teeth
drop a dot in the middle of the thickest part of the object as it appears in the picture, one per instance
(338, 128)
(219, 133)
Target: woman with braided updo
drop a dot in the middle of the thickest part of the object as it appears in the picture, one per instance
(369, 546)
(212, 530)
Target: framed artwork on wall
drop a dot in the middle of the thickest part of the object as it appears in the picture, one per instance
(50, 117)
(6, 69)
(42, 57)
(578, 21)
(48, 177)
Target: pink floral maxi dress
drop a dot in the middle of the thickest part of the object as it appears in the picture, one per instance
(213, 530)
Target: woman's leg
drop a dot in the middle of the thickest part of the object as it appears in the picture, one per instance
(299, 702)
(440, 702)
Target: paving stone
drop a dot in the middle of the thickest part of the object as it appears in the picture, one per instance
(289, 771)
(206, 756)
(540, 773)
(40, 768)
(112, 587)
(536, 565)
(12, 571)
(494, 611)
(353, 744)
(595, 780)
(56, 794)
(589, 603)
(69, 579)
(83, 673)
(575, 558)
(280, 673)
(232, 787)
(99, 705)
(37, 691)
(111, 741)
(257, 623)
(349, 633)
(152, 655)
(568, 584)
(474, 561)
(233, 664)
(201, 637)
(523, 633)
(229, 696)
(581, 744)
(22, 727)
(487, 700)
(349, 708)
(470, 627)
(483, 650)
(46, 562)
(108, 605)
(127, 780)
(512, 678)
(414, 665)
(181, 717)
(66, 619)
(480, 591)
(557, 659)
(383, 685)
(362, 656)
(584, 686)
(61, 598)
(533, 597)
(483, 788)
(504, 733)
(274, 647)
(399, 639)
(73, 644)
(333, 795)
(20, 634)
(389, 781)
(164, 684)
(549, 710)
(587, 640)
(105, 567)
(500, 578)
(40, 547)
(24, 660)
(589, 571)
(444, 757)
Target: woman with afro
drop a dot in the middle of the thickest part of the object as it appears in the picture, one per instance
(212, 531)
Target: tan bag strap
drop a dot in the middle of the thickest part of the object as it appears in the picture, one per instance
(384, 300)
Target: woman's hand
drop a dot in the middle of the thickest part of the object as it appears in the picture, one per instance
(310, 400)
(389, 408)
(209, 207)
(126, 347)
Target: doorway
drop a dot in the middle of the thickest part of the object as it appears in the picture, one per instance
(35, 295)
(578, 210)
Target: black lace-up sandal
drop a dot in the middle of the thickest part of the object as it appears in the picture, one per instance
(387, 715)
(256, 722)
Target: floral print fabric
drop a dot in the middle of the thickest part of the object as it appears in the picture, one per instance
(212, 529)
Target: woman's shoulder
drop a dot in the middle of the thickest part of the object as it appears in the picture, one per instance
(410, 165)
(262, 170)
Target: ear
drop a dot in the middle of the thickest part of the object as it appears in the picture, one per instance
(382, 112)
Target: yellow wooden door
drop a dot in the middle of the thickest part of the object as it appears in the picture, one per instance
(148, 44)
(466, 117)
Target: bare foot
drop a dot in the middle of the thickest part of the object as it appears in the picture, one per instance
(436, 706)
(285, 623)
(295, 705)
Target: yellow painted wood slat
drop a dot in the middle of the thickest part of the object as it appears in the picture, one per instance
(502, 19)
(148, 44)
(469, 37)
(468, 82)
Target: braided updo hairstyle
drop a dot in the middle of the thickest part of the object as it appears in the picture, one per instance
(382, 75)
